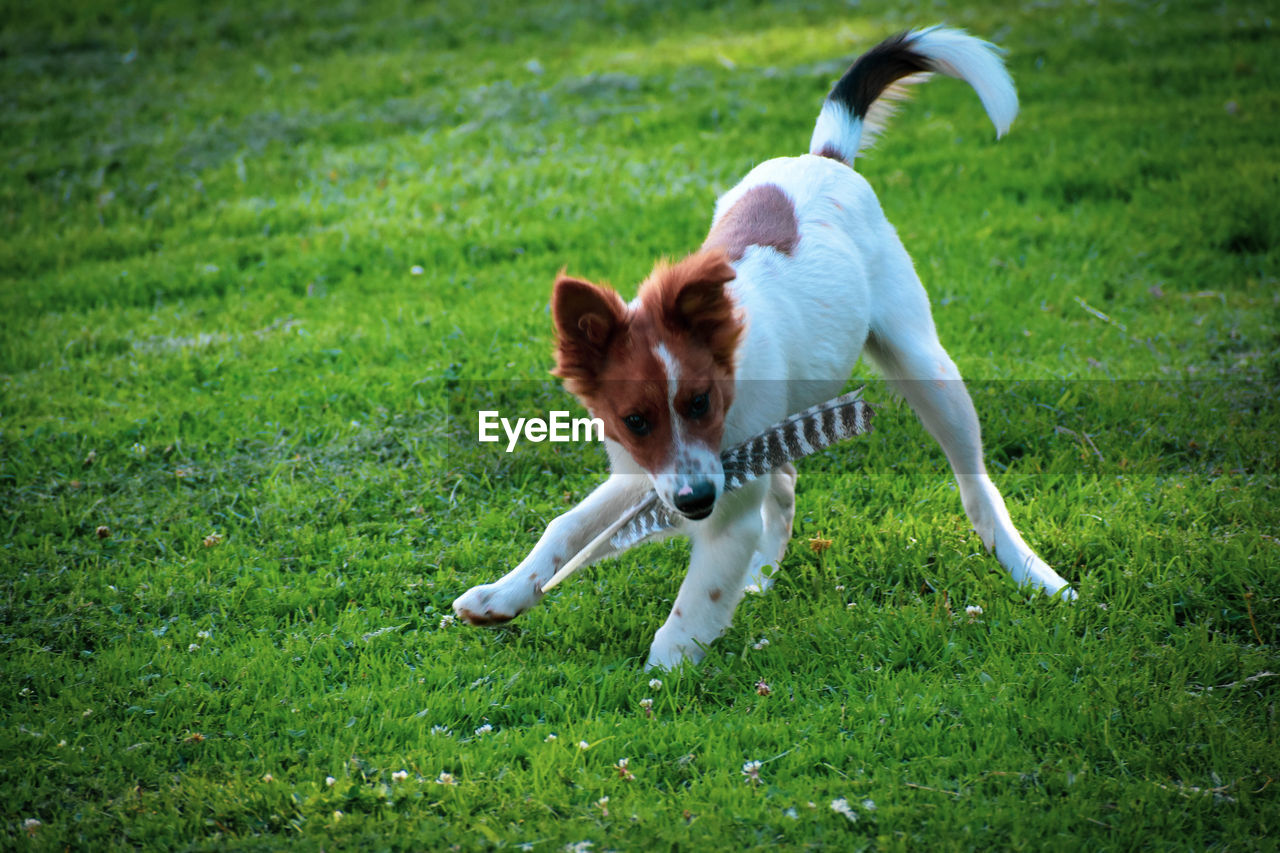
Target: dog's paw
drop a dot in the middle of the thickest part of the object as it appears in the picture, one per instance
(667, 659)
(670, 653)
(484, 605)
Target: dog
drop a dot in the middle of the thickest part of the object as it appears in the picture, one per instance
(800, 274)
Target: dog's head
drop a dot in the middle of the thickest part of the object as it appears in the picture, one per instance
(658, 372)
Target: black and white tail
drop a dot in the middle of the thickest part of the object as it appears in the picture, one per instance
(862, 101)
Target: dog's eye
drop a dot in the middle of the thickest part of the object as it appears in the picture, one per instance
(637, 423)
(698, 405)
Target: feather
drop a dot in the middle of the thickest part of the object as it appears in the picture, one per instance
(793, 438)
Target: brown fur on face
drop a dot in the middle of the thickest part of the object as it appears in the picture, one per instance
(607, 352)
(588, 319)
(688, 299)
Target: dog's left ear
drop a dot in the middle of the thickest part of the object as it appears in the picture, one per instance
(694, 302)
(588, 318)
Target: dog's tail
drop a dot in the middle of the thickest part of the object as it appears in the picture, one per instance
(862, 101)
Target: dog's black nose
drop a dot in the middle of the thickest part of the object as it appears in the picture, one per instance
(697, 501)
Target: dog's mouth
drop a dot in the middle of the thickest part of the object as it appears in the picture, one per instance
(699, 515)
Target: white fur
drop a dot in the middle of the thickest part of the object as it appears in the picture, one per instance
(849, 287)
(952, 52)
(976, 62)
(689, 461)
(839, 128)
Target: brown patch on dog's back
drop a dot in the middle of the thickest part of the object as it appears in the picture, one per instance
(764, 216)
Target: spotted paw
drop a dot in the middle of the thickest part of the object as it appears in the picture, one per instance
(481, 605)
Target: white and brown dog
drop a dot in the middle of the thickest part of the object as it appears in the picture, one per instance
(800, 274)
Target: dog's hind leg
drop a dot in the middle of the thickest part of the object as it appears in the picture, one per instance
(778, 512)
(907, 351)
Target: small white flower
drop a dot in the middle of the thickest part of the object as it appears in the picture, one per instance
(447, 620)
(329, 780)
(839, 587)
(551, 738)
(138, 449)
(445, 779)
(62, 743)
(646, 705)
(655, 683)
(337, 815)
(841, 806)
(579, 847)
(31, 825)
(267, 777)
(194, 647)
(204, 635)
(416, 270)
(399, 776)
(751, 770)
(869, 805)
(582, 744)
(484, 730)
(973, 611)
(440, 730)
(791, 813)
(764, 641)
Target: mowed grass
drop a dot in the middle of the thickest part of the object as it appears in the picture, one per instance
(239, 487)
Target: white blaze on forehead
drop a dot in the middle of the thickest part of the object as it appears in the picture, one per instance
(672, 367)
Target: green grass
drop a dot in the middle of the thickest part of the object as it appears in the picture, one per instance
(208, 324)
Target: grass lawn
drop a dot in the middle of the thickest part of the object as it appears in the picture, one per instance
(260, 267)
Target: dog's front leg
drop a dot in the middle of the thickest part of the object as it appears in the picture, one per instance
(722, 550)
(521, 588)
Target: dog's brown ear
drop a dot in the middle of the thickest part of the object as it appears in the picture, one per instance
(693, 301)
(587, 317)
